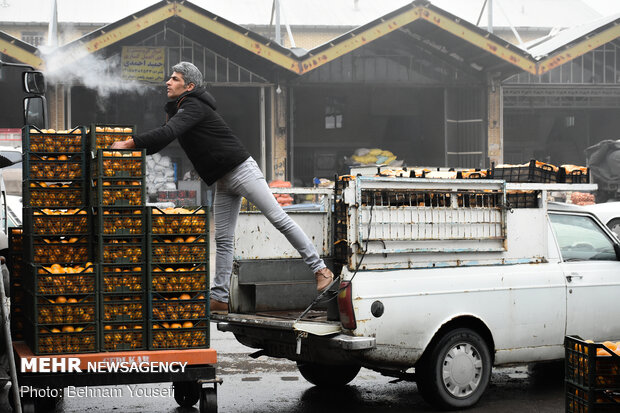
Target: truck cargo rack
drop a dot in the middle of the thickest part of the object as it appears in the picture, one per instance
(391, 223)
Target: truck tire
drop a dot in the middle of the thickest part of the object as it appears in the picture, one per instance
(456, 372)
(323, 375)
(186, 393)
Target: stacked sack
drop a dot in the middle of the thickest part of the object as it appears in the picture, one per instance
(375, 156)
(283, 199)
(159, 174)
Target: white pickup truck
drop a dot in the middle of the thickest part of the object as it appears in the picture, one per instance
(441, 279)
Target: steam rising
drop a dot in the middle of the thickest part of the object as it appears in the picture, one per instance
(79, 67)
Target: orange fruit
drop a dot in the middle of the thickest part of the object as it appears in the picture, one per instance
(61, 300)
(602, 352)
(185, 297)
(176, 325)
(68, 329)
(188, 324)
(72, 300)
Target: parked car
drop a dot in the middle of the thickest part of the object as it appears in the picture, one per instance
(11, 164)
(609, 214)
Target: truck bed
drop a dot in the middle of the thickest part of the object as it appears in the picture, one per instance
(274, 319)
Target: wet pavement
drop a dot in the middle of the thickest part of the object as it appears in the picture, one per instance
(271, 385)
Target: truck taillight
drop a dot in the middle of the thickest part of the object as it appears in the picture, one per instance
(345, 306)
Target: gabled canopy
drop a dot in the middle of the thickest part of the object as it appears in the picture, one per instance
(243, 46)
(20, 51)
(419, 24)
(571, 43)
(441, 32)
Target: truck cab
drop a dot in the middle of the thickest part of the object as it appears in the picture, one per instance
(440, 280)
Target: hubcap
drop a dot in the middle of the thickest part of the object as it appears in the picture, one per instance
(462, 370)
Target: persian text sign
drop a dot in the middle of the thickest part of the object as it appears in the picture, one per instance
(143, 63)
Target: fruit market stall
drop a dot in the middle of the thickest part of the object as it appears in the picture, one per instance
(103, 278)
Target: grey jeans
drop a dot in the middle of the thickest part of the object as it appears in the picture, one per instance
(246, 180)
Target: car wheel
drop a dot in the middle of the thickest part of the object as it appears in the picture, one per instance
(326, 375)
(456, 372)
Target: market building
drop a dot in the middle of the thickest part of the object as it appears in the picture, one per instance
(419, 81)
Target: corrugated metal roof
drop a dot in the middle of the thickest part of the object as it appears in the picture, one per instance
(295, 12)
(540, 49)
(521, 13)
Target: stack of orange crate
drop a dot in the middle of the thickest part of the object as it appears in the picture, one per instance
(17, 273)
(179, 278)
(592, 376)
(118, 201)
(60, 283)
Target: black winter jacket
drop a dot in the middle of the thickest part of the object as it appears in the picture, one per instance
(209, 143)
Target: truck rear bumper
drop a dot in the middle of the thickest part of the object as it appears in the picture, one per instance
(352, 343)
(337, 341)
(278, 338)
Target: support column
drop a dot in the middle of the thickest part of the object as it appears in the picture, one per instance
(279, 147)
(56, 107)
(495, 125)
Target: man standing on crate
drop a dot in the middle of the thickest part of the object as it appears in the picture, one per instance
(219, 157)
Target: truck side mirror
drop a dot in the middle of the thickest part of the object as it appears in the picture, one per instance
(35, 108)
(34, 82)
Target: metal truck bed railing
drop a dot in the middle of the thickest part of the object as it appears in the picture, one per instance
(401, 215)
(392, 223)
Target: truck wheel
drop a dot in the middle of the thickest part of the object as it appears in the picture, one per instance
(456, 372)
(323, 375)
(208, 401)
(186, 393)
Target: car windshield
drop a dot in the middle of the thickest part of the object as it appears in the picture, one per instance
(580, 238)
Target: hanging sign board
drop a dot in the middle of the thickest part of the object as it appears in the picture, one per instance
(143, 63)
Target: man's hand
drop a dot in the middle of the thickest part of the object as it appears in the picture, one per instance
(127, 144)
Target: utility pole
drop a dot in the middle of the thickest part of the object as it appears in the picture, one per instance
(52, 33)
(490, 16)
(277, 11)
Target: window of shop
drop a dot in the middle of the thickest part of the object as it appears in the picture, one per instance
(600, 66)
(33, 38)
(215, 68)
(334, 109)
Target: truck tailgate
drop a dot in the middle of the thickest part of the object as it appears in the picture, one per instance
(283, 320)
(265, 328)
